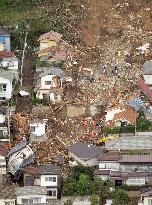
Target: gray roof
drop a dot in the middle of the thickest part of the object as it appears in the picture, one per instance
(130, 143)
(30, 190)
(17, 147)
(8, 192)
(85, 151)
(147, 66)
(4, 32)
(7, 74)
(28, 161)
(49, 169)
(52, 71)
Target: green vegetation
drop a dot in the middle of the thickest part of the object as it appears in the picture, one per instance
(42, 16)
(94, 199)
(120, 197)
(117, 130)
(36, 100)
(11, 102)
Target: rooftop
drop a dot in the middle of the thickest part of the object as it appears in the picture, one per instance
(136, 159)
(17, 147)
(85, 151)
(30, 190)
(8, 192)
(51, 35)
(48, 169)
(4, 32)
(6, 54)
(110, 156)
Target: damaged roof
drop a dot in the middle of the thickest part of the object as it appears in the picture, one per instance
(17, 147)
(52, 35)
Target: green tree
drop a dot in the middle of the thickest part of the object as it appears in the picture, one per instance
(69, 186)
(76, 171)
(83, 185)
(120, 197)
(94, 199)
(143, 124)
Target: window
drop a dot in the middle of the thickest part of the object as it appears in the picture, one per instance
(10, 64)
(51, 193)
(9, 203)
(149, 201)
(50, 179)
(32, 129)
(48, 82)
(31, 200)
(2, 87)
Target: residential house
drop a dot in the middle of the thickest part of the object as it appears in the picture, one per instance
(6, 84)
(3, 154)
(19, 156)
(48, 176)
(85, 154)
(8, 60)
(119, 116)
(37, 129)
(145, 197)
(7, 195)
(49, 85)
(132, 170)
(147, 68)
(31, 195)
(51, 47)
(4, 40)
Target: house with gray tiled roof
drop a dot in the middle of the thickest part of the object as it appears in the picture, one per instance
(84, 153)
(133, 170)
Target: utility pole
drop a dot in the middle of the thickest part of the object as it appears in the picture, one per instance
(22, 60)
(8, 123)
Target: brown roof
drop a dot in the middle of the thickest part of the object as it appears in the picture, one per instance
(115, 174)
(6, 54)
(30, 170)
(101, 172)
(144, 88)
(110, 156)
(3, 151)
(51, 35)
(128, 114)
(136, 159)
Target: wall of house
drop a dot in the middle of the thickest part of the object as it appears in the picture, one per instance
(148, 79)
(19, 198)
(3, 201)
(5, 43)
(16, 159)
(11, 64)
(135, 167)
(8, 93)
(39, 128)
(2, 117)
(55, 98)
(47, 43)
(136, 181)
(109, 165)
(146, 200)
(103, 177)
(48, 183)
(47, 78)
(90, 162)
(2, 165)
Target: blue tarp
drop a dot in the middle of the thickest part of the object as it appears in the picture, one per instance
(2, 38)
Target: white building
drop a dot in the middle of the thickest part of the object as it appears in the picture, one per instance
(10, 63)
(17, 155)
(146, 197)
(31, 195)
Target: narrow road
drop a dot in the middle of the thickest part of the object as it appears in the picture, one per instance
(24, 104)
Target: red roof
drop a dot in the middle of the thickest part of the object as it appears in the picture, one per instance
(6, 54)
(101, 172)
(30, 170)
(110, 156)
(145, 88)
(136, 159)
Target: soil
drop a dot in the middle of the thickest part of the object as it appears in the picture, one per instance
(24, 104)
